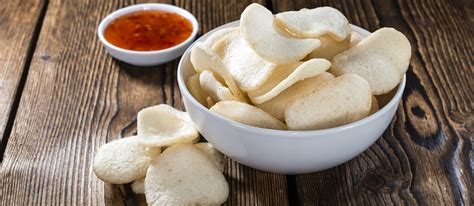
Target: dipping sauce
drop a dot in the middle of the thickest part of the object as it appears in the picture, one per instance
(148, 30)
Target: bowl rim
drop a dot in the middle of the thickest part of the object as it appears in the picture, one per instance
(297, 133)
(142, 7)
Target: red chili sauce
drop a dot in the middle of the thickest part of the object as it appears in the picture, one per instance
(148, 30)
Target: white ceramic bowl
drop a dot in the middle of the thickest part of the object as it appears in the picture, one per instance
(147, 58)
(285, 152)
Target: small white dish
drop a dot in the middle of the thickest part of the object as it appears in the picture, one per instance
(285, 152)
(147, 58)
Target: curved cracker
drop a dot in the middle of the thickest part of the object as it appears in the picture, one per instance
(212, 87)
(313, 23)
(308, 69)
(216, 156)
(256, 23)
(248, 69)
(336, 102)
(382, 58)
(130, 165)
(277, 105)
(195, 89)
(247, 114)
(183, 175)
(162, 125)
(204, 58)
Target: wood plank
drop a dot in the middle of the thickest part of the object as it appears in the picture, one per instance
(77, 97)
(423, 157)
(18, 26)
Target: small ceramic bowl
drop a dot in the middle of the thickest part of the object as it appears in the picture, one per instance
(147, 58)
(285, 152)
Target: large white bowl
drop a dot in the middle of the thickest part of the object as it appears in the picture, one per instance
(147, 58)
(285, 152)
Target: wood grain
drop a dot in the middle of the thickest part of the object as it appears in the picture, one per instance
(424, 156)
(19, 27)
(76, 98)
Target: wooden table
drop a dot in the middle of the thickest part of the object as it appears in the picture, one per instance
(62, 96)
